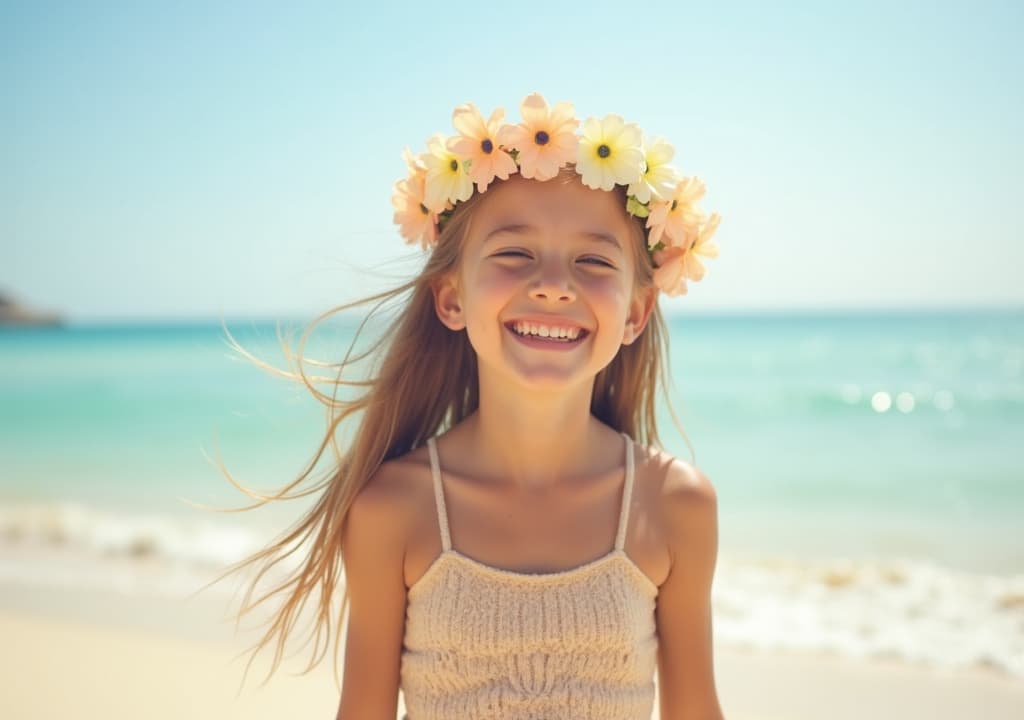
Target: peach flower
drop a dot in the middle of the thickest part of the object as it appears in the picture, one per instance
(678, 263)
(478, 144)
(416, 223)
(677, 218)
(545, 139)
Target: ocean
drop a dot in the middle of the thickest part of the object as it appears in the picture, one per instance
(868, 466)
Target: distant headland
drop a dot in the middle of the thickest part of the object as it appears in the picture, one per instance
(11, 313)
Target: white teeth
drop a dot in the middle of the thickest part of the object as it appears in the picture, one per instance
(524, 328)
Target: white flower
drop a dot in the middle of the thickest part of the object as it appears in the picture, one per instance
(659, 179)
(447, 180)
(609, 153)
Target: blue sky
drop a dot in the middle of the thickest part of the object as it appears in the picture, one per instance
(183, 160)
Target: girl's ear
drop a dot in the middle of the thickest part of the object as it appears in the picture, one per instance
(447, 303)
(639, 313)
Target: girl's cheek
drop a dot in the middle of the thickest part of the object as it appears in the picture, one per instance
(605, 285)
(497, 278)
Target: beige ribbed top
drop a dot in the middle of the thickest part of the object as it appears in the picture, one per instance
(483, 643)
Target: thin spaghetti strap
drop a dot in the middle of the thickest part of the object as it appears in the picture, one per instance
(442, 513)
(627, 491)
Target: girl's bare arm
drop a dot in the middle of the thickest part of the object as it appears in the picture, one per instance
(686, 682)
(373, 551)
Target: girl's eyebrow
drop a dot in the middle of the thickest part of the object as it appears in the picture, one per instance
(523, 229)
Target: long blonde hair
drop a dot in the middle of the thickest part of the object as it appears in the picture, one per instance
(400, 409)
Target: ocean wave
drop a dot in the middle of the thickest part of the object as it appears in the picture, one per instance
(72, 547)
(894, 608)
(111, 534)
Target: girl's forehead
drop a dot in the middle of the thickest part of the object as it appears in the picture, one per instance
(555, 202)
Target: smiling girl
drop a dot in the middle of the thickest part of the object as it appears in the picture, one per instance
(514, 542)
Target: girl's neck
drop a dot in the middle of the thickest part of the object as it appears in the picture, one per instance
(535, 440)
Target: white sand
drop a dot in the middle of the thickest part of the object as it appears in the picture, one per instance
(129, 658)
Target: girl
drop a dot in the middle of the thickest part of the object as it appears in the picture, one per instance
(514, 545)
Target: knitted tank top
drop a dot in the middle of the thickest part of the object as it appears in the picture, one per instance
(484, 643)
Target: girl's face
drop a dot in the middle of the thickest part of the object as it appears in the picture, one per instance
(546, 258)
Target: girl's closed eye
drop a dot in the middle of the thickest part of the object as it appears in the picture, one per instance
(597, 261)
(511, 252)
(588, 260)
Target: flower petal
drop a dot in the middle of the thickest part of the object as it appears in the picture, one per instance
(466, 119)
(659, 152)
(496, 119)
(534, 109)
(611, 126)
(563, 117)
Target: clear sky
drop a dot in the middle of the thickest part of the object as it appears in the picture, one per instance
(187, 159)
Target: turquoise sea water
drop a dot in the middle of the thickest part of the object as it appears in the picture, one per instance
(838, 443)
(863, 417)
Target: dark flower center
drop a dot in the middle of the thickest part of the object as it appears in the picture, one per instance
(541, 137)
(487, 146)
(604, 151)
(424, 210)
(454, 165)
(674, 203)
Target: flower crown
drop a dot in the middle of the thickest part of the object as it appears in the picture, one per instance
(607, 153)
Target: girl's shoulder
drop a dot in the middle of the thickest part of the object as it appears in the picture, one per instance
(670, 478)
(414, 462)
(682, 508)
(392, 497)
(397, 481)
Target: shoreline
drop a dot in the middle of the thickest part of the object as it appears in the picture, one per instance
(887, 609)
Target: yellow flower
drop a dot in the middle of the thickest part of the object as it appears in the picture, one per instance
(545, 139)
(658, 178)
(477, 143)
(446, 179)
(676, 219)
(678, 263)
(609, 153)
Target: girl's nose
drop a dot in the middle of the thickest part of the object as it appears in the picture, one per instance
(553, 284)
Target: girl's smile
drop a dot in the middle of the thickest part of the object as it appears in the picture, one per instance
(547, 332)
(544, 341)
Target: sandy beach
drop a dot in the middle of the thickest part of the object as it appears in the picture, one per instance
(108, 655)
